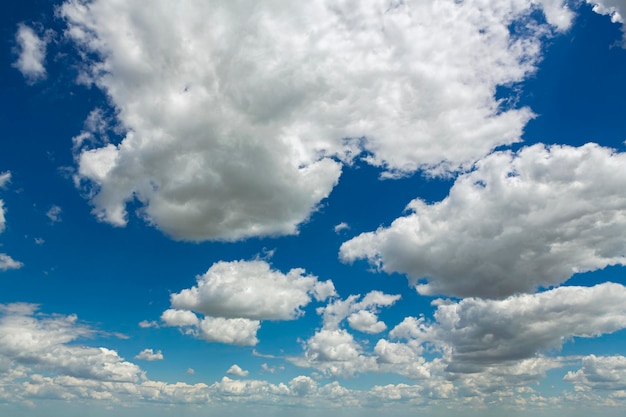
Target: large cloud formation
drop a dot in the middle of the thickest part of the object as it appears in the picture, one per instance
(235, 296)
(237, 114)
(518, 221)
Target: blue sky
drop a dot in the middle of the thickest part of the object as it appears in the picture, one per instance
(260, 208)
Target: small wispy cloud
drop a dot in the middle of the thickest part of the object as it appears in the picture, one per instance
(145, 324)
(341, 227)
(54, 214)
(31, 50)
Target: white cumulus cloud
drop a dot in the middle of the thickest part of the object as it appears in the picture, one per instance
(366, 322)
(31, 53)
(600, 373)
(150, 355)
(179, 318)
(237, 371)
(253, 290)
(516, 222)
(237, 114)
(334, 350)
(236, 296)
(241, 332)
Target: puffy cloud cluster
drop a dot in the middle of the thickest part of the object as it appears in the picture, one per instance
(516, 222)
(237, 114)
(334, 351)
(235, 296)
(31, 49)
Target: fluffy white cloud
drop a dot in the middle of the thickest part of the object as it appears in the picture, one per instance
(600, 373)
(179, 318)
(238, 331)
(335, 353)
(252, 290)
(42, 341)
(332, 345)
(366, 322)
(235, 296)
(237, 371)
(237, 112)
(475, 334)
(516, 222)
(395, 353)
(302, 385)
(150, 355)
(32, 53)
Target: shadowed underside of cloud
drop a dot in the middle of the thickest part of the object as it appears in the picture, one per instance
(239, 114)
(475, 334)
(516, 222)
